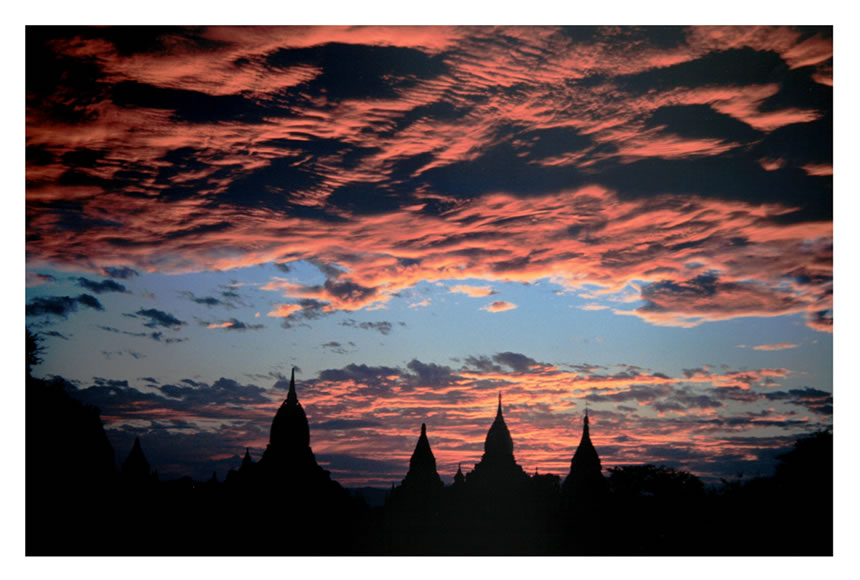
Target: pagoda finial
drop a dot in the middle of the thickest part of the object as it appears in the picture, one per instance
(500, 403)
(423, 430)
(291, 395)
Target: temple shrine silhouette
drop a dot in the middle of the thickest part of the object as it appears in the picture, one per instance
(495, 508)
(285, 503)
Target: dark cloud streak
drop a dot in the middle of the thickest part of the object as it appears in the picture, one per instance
(61, 306)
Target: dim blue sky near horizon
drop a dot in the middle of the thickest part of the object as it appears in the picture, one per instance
(419, 219)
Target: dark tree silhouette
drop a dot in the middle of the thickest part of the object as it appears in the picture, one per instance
(34, 350)
(69, 472)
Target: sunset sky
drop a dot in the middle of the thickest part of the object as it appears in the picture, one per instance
(419, 218)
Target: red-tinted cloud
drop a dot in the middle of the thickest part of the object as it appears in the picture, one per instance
(777, 346)
(491, 158)
(499, 306)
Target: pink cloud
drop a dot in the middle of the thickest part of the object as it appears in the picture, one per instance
(818, 169)
(499, 306)
(771, 164)
(776, 346)
(624, 241)
(473, 291)
(284, 310)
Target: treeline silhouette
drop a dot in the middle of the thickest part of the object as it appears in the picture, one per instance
(79, 503)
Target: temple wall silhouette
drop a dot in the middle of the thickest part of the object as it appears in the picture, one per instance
(79, 502)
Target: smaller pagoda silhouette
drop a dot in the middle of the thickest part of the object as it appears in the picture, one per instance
(585, 482)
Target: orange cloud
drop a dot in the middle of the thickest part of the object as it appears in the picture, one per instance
(593, 307)
(284, 310)
(573, 236)
(818, 169)
(777, 346)
(499, 306)
(473, 291)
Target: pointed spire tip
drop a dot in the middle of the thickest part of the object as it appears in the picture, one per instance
(291, 394)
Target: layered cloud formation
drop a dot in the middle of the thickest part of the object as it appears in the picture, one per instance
(691, 165)
(646, 180)
(366, 415)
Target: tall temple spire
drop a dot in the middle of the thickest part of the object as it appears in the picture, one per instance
(422, 465)
(291, 395)
(459, 478)
(136, 466)
(498, 441)
(586, 448)
(497, 466)
(290, 429)
(585, 479)
(247, 462)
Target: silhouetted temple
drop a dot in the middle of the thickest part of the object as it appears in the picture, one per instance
(459, 478)
(422, 474)
(422, 485)
(412, 518)
(247, 462)
(311, 510)
(286, 503)
(585, 482)
(497, 466)
(135, 468)
(288, 459)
